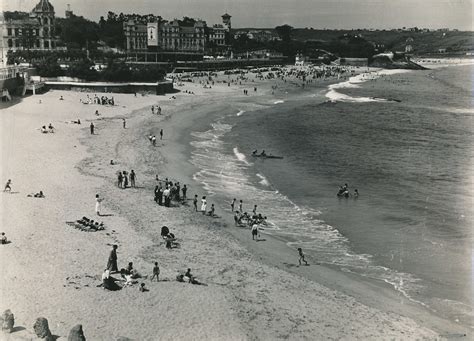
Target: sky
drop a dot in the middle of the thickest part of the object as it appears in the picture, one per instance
(318, 14)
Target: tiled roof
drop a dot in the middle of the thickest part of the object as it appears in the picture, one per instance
(43, 6)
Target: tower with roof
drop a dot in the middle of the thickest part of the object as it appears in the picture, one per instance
(226, 20)
(44, 13)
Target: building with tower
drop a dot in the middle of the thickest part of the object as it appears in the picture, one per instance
(28, 31)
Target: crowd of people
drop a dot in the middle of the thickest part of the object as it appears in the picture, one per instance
(167, 191)
(102, 100)
(124, 178)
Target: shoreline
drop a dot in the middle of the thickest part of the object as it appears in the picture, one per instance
(247, 293)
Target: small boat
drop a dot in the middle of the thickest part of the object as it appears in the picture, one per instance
(267, 156)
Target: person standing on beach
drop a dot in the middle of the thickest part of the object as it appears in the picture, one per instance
(184, 190)
(195, 202)
(232, 204)
(124, 123)
(240, 206)
(166, 195)
(153, 140)
(254, 210)
(161, 134)
(119, 179)
(125, 179)
(92, 128)
(203, 205)
(255, 232)
(132, 178)
(160, 196)
(98, 204)
(156, 272)
(112, 262)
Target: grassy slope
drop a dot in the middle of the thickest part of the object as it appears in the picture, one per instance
(422, 42)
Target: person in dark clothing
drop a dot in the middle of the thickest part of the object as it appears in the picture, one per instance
(119, 179)
(132, 178)
(177, 193)
(195, 203)
(125, 179)
(160, 196)
(92, 128)
(112, 262)
(184, 190)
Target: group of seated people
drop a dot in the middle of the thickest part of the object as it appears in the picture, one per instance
(129, 274)
(86, 224)
(245, 219)
(169, 237)
(36, 195)
(188, 277)
(103, 100)
(344, 192)
(50, 129)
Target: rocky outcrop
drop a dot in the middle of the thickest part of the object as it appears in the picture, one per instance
(394, 61)
(41, 328)
(7, 320)
(76, 334)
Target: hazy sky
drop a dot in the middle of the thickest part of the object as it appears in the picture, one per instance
(270, 13)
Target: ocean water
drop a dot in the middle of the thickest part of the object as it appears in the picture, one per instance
(404, 139)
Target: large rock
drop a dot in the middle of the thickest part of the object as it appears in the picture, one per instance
(76, 334)
(7, 321)
(41, 328)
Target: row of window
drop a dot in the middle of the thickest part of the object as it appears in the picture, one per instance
(18, 32)
(177, 30)
(29, 43)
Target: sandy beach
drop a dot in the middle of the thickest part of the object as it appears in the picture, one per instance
(253, 291)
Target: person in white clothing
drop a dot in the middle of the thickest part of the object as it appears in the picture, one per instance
(98, 204)
(203, 205)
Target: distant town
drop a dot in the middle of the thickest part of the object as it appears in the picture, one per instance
(56, 44)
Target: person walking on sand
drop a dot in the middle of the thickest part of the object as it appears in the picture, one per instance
(112, 262)
(240, 206)
(301, 254)
(8, 187)
(161, 134)
(232, 204)
(98, 204)
(203, 205)
(153, 140)
(124, 123)
(92, 128)
(132, 178)
(195, 202)
(156, 272)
